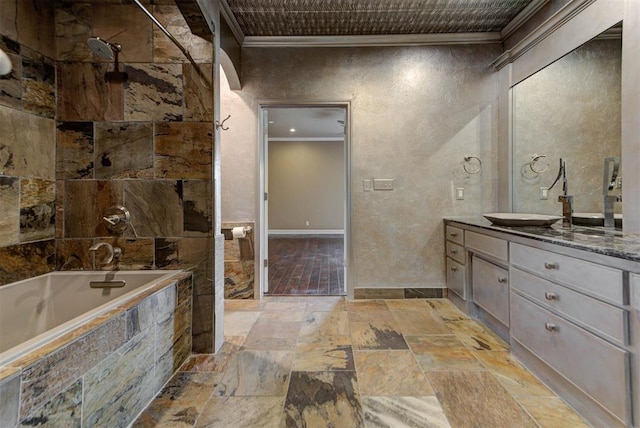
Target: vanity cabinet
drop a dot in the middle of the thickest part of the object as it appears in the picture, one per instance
(456, 261)
(490, 284)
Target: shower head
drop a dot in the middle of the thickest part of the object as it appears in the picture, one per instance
(102, 48)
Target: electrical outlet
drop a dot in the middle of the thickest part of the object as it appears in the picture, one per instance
(544, 193)
(382, 184)
(306, 223)
(459, 193)
(366, 185)
(619, 183)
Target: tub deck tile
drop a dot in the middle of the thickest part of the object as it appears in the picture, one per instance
(63, 410)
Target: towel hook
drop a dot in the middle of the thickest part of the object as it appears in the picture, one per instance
(535, 158)
(468, 159)
(220, 125)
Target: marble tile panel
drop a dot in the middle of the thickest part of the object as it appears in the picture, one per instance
(256, 412)
(165, 51)
(471, 398)
(180, 402)
(552, 412)
(273, 334)
(101, 100)
(123, 150)
(195, 254)
(378, 293)
(239, 323)
(321, 342)
(73, 254)
(214, 362)
(35, 25)
(446, 310)
(419, 305)
(418, 323)
(375, 316)
(239, 279)
(184, 150)
(38, 84)
(511, 374)
(202, 327)
(409, 412)
(9, 211)
(477, 337)
(155, 206)
(325, 324)
(85, 205)
(376, 335)
(153, 92)
(442, 352)
(37, 209)
(325, 304)
(73, 26)
(173, 342)
(74, 150)
(141, 317)
(256, 373)
(231, 250)
(10, 397)
(65, 409)
(184, 290)
(11, 84)
(198, 93)
(323, 399)
(8, 13)
(67, 364)
(376, 378)
(198, 207)
(424, 293)
(118, 388)
(59, 209)
(243, 305)
(18, 262)
(28, 144)
(366, 305)
(127, 25)
(315, 358)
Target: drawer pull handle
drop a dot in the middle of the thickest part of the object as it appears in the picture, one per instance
(453, 268)
(550, 327)
(502, 280)
(550, 296)
(454, 251)
(454, 234)
(550, 265)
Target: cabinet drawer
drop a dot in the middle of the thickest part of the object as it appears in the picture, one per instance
(490, 285)
(456, 252)
(635, 291)
(489, 245)
(456, 278)
(596, 280)
(600, 317)
(454, 234)
(595, 366)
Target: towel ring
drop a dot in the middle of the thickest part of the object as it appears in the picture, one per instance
(468, 159)
(535, 158)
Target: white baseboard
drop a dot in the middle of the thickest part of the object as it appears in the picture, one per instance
(306, 232)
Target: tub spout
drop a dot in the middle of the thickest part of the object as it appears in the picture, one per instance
(112, 252)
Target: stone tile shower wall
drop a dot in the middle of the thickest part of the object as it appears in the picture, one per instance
(27, 141)
(239, 264)
(77, 138)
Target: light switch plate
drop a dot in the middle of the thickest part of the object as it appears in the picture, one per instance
(544, 193)
(382, 184)
(460, 193)
(366, 185)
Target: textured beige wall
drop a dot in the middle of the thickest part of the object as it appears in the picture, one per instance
(570, 109)
(416, 111)
(306, 183)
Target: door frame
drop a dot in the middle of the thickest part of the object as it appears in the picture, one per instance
(262, 227)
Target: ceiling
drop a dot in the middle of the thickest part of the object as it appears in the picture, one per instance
(372, 17)
(308, 122)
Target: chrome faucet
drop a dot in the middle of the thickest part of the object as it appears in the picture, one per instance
(112, 252)
(567, 200)
(608, 184)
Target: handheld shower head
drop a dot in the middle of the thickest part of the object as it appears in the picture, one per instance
(103, 49)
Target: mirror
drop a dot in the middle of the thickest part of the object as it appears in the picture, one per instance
(571, 109)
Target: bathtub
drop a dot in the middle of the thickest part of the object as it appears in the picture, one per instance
(111, 347)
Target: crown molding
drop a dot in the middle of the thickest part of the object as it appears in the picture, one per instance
(525, 14)
(372, 40)
(232, 21)
(562, 16)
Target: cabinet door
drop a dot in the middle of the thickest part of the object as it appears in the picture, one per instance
(490, 285)
(595, 366)
(456, 278)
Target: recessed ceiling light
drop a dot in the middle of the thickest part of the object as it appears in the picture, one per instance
(272, 121)
(292, 130)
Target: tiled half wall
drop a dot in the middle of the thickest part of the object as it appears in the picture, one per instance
(239, 262)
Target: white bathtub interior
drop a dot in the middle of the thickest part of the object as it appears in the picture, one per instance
(38, 309)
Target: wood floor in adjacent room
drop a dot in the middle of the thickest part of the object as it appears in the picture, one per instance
(306, 265)
(324, 361)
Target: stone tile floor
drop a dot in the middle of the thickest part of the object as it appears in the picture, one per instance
(329, 362)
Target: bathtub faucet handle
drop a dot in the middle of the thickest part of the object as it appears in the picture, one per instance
(112, 252)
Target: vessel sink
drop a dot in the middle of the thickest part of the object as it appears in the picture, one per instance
(521, 219)
(594, 219)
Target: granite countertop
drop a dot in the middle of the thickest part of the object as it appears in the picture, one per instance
(595, 239)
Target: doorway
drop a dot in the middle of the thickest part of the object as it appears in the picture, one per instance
(304, 212)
